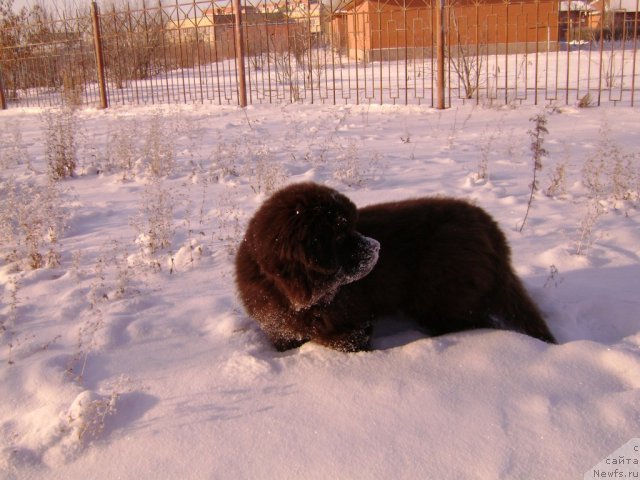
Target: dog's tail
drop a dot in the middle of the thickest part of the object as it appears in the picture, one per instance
(515, 310)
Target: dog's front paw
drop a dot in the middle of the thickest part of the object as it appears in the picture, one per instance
(357, 340)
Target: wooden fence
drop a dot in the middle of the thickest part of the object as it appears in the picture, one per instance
(429, 52)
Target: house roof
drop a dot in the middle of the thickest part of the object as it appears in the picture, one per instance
(628, 5)
(616, 5)
(575, 6)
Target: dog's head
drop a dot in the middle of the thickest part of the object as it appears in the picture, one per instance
(304, 239)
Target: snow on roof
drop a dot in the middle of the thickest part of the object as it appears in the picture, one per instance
(574, 5)
(628, 5)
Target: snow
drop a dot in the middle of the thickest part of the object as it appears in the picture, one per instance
(132, 357)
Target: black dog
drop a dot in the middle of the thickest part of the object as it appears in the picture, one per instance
(313, 267)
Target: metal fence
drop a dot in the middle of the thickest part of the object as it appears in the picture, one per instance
(344, 51)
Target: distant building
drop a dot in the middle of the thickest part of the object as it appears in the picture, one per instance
(621, 18)
(192, 29)
(304, 13)
(307, 13)
(374, 30)
(574, 21)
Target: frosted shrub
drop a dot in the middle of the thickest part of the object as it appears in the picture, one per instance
(558, 184)
(610, 175)
(586, 101)
(230, 221)
(61, 149)
(12, 152)
(586, 227)
(622, 178)
(159, 147)
(351, 169)
(554, 277)
(225, 161)
(111, 277)
(482, 173)
(267, 175)
(123, 270)
(93, 322)
(154, 223)
(89, 412)
(8, 322)
(122, 151)
(592, 175)
(610, 172)
(32, 221)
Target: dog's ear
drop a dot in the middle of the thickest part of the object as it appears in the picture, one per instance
(301, 274)
(286, 265)
(297, 287)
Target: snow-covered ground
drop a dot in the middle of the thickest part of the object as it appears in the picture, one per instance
(128, 356)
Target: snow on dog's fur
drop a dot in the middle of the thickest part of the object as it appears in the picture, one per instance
(312, 267)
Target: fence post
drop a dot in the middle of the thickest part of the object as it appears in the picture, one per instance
(97, 42)
(603, 12)
(3, 101)
(440, 54)
(242, 82)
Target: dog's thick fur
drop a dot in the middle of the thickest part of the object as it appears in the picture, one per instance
(313, 267)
